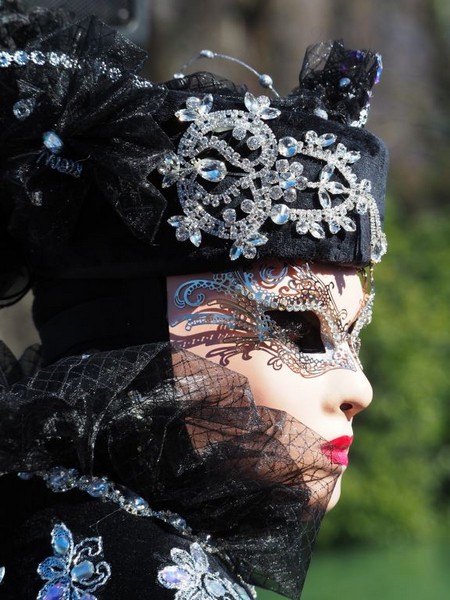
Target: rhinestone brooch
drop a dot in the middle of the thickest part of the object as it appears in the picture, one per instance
(260, 176)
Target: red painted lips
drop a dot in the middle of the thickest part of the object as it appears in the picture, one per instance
(337, 450)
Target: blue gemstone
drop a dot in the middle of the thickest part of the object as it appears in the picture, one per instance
(21, 58)
(235, 252)
(215, 587)
(327, 139)
(61, 543)
(357, 54)
(279, 214)
(289, 182)
(242, 593)
(379, 68)
(344, 82)
(211, 170)
(98, 488)
(140, 503)
(52, 142)
(55, 592)
(287, 146)
(175, 221)
(137, 502)
(84, 570)
(179, 523)
(5, 59)
(59, 479)
(257, 239)
(174, 576)
(196, 238)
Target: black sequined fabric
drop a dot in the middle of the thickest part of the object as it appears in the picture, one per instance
(186, 435)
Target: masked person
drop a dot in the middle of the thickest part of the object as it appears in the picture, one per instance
(201, 261)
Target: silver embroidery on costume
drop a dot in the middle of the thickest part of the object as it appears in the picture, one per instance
(191, 576)
(61, 479)
(243, 307)
(60, 572)
(73, 572)
(265, 183)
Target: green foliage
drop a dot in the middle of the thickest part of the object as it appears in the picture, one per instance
(398, 485)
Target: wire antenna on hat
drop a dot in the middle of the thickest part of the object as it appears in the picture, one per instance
(264, 80)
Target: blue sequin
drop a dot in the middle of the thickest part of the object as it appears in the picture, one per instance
(98, 488)
(344, 82)
(62, 541)
(52, 142)
(379, 68)
(75, 570)
(5, 59)
(21, 58)
(60, 480)
(55, 592)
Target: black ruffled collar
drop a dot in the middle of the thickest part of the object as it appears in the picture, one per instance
(185, 434)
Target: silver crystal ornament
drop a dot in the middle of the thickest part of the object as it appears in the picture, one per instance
(210, 169)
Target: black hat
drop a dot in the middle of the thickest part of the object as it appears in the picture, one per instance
(190, 174)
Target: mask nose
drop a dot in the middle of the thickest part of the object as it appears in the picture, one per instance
(357, 393)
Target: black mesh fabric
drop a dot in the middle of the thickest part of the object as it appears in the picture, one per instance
(186, 435)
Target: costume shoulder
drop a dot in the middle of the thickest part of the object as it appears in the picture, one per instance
(76, 545)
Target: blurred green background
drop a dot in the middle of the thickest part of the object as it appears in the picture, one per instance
(389, 537)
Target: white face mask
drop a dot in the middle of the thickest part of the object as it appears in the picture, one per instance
(284, 310)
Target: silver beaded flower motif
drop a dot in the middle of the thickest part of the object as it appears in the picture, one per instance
(191, 576)
(73, 572)
(262, 180)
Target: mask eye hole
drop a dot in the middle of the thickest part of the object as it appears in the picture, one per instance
(302, 328)
(351, 327)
